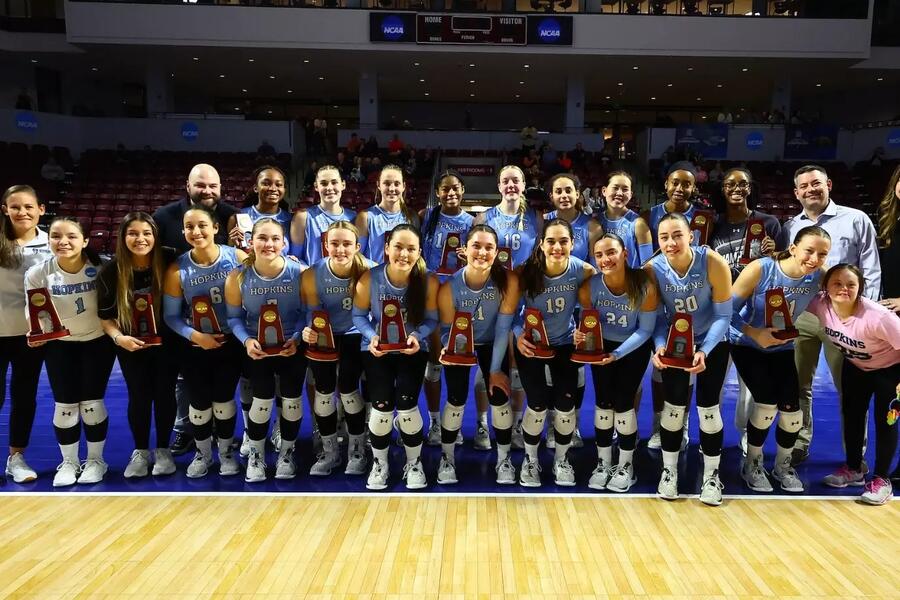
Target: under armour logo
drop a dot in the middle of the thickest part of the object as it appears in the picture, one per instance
(795, 422)
(382, 420)
(708, 417)
(772, 418)
(618, 422)
(565, 421)
(503, 413)
(604, 418)
(406, 419)
(88, 410)
(263, 409)
(66, 413)
(455, 414)
(673, 414)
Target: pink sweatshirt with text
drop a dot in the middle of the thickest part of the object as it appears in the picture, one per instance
(869, 338)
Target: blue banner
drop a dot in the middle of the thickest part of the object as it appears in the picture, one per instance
(815, 142)
(711, 141)
(26, 120)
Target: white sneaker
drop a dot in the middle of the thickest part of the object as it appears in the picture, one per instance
(275, 438)
(654, 442)
(564, 472)
(506, 472)
(518, 438)
(878, 491)
(530, 475)
(256, 467)
(378, 476)
(326, 461)
(787, 477)
(711, 492)
(18, 470)
(245, 445)
(414, 475)
(622, 480)
(163, 464)
(138, 465)
(577, 441)
(66, 474)
(356, 460)
(434, 433)
(668, 484)
(93, 471)
(199, 467)
(446, 471)
(285, 467)
(228, 465)
(755, 476)
(482, 438)
(551, 438)
(601, 476)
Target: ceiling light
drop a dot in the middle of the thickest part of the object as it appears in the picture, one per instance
(521, 83)
(634, 68)
(237, 108)
(421, 81)
(271, 77)
(244, 90)
(818, 85)
(669, 84)
(620, 84)
(518, 96)
(744, 70)
(526, 66)
(427, 94)
(471, 95)
(196, 58)
(703, 116)
(690, 68)
(94, 69)
(251, 60)
(415, 64)
(221, 76)
(305, 61)
(653, 97)
(718, 85)
(699, 99)
(290, 91)
(338, 124)
(334, 106)
(608, 97)
(321, 79)
(879, 79)
(34, 61)
(269, 111)
(471, 81)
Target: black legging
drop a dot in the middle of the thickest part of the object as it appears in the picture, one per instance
(394, 382)
(565, 383)
(858, 387)
(291, 371)
(26, 371)
(615, 385)
(150, 376)
(457, 378)
(197, 365)
(771, 378)
(343, 374)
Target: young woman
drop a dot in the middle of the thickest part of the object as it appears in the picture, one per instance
(268, 278)
(680, 185)
(201, 273)
(766, 363)
(624, 222)
(868, 335)
(330, 285)
(22, 245)
(490, 294)
(395, 378)
(550, 279)
(149, 371)
(312, 223)
(446, 218)
(79, 365)
(697, 281)
(390, 211)
(627, 303)
(565, 194)
(266, 200)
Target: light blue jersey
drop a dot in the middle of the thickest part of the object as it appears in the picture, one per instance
(208, 280)
(381, 289)
(658, 212)
(558, 301)
(380, 223)
(433, 244)
(798, 292)
(624, 228)
(519, 241)
(317, 223)
(580, 231)
(618, 318)
(334, 296)
(483, 304)
(283, 290)
(282, 216)
(690, 294)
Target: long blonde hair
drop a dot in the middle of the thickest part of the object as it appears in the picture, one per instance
(889, 211)
(125, 270)
(248, 262)
(523, 203)
(359, 265)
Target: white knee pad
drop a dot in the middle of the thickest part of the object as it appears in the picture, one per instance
(480, 387)
(261, 410)
(292, 409)
(502, 416)
(451, 419)
(200, 417)
(310, 378)
(791, 422)
(223, 410)
(626, 422)
(93, 412)
(710, 419)
(245, 390)
(763, 415)
(410, 420)
(581, 376)
(603, 418)
(533, 421)
(564, 422)
(65, 416)
(380, 422)
(433, 372)
(515, 382)
(353, 402)
(324, 405)
(672, 417)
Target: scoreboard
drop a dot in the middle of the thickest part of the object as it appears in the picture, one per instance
(469, 29)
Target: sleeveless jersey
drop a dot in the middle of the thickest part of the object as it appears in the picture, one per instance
(624, 228)
(208, 280)
(379, 224)
(558, 301)
(581, 232)
(433, 245)
(798, 293)
(618, 318)
(317, 223)
(74, 297)
(334, 296)
(483, 304)
(380, 289)
(283, 290)
(282, 216)
(690, 294)
(520, 242)
(657, 213)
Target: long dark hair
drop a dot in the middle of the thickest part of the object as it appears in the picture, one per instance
(435, 214)
(579, 201)
(125, 270)
(251, 198)
(534, 268)
(10, 254)
(418, 278)
(812, 230)
(889, 211)
(498, 272)
(636, 280)
(404, 208)
(89, 253)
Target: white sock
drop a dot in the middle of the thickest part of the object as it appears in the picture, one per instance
(414, 452)
(531, 450)
(503, 452)
(448, 450)
(95, 449)
(69, 452)
(559, 453)
(670, 460)
(625, 457)
(753, 452)
(605, 454)
(482, 418)
(710, 464)
(380, 454)
(204, 447)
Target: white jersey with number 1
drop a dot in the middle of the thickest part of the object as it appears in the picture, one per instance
(74, 297)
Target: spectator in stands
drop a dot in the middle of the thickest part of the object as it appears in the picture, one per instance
(529, 138)
(716, 175)
(578, 156)
(531, 164)
(410, 167)
(354, 145)
(344, 164)
(52, 171)
(702, 176)
(548, 159)
(265, 152)
(310, 178)
(564, 163)
(877, 157)
(371, 147)
(356, 173)
(395, 147)
(23, 100)
(725, 116)
(426, 165)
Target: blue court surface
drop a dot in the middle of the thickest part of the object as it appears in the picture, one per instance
(475, 469)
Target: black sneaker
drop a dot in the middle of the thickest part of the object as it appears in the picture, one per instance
(184, 443)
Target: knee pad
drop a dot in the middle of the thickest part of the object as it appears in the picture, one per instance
(710, 419)
(603, 418)
(533, 421)
(791, 422)
(323, 405)
(65, 416)
(515, 382)
(564, 422)
(626, 422)
(410, 420)
(581, 376)
(480, 387)
(245, 390)
(451, 419)
(261, 410)
(223, 410)
(502, 416)
(763, 415)
(380, 423)
(433, 372)
(656, 375)
(353, 402)
(93, 412)
(200, 417)
(672, 417)
(292, 409)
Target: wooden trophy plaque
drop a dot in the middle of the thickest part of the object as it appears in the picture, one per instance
(756, 232)
(143, 320)
(449, 259)
(203, 315)
(504, 257)
(271, 332)
(591, 349)
(461, 346)
(679, 351)
(701, 226)
(324, 349)
(324, 239)
(536, 333)
(778, 315)
(43, 318)
(392, 330)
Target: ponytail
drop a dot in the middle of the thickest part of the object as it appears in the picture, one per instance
(248, 262)
(90, 255)
(636, 280)
(416, 289)
(812, 230)
(498, 274)
(408, 213)
(358, 267)
(533, 269)
(523, 203)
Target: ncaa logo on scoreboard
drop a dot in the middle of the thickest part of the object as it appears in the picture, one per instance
(549, 31)
(392, 28)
